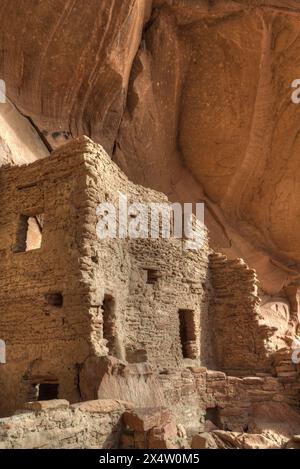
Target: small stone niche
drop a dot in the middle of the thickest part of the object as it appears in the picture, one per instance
(152, 276)
(55, 299)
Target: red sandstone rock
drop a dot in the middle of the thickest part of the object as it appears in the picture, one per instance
(143, 420)
(203, 441)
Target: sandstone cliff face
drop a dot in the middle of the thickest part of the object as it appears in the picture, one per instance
(190, 97)
(20, 142)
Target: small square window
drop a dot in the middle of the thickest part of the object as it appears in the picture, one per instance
(48, 391)
(152, 276)
(55, 299)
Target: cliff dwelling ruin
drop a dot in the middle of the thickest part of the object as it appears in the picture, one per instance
(130, 327)
(163, 342)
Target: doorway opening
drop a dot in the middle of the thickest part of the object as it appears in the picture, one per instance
(109, 325)
(187, 333)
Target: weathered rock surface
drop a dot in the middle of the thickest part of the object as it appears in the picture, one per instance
(67, 64)
(151, 428)
(19, 141)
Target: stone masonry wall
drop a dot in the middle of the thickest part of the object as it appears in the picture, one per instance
(56, 424)
(240, 335)
(147, 326)
(195, 394)
(102, 285)
(197, 400)
(45, 340)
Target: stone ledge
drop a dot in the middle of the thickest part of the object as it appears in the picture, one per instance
(102, 406)
(215, 375)
(46, 405)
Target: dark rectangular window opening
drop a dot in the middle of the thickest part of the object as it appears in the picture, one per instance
(213, 415)
(55, 299)
(187, 333)
(152, 276)
(109, 325)
(29, 233)
(47, 391)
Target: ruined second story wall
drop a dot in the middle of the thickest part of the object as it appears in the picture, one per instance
(240, 336)
(148, 297)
